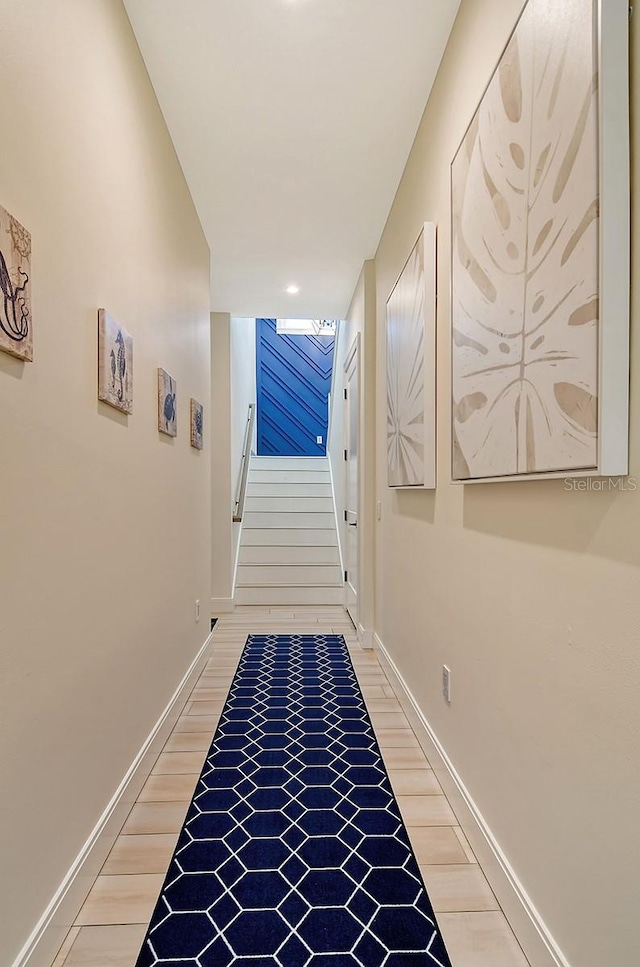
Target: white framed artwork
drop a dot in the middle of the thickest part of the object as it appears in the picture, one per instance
(411, 372)
(540, 253)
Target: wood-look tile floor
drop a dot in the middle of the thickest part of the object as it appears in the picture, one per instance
(111, 926)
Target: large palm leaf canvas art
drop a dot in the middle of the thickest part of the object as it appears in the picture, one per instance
(411, 320)
(526, 255)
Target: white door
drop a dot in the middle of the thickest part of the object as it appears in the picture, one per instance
(351, 426)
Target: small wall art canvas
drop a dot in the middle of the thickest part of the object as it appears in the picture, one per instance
(197, 418)
(167, 404)
(527, 258)
(411, 334)
(16, 329)
(115, 363)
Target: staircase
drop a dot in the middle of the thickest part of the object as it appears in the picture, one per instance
(289, 546)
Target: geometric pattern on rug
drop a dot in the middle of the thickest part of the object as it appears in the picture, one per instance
(293, 852)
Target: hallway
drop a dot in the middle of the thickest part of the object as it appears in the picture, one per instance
(174, 172)
(112, 923)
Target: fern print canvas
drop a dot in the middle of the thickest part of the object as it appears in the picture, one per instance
(115, 363)
(525, 197)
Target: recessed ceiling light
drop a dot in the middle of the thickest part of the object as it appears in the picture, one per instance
(292, 289)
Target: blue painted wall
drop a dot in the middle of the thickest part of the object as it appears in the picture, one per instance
(293, 385)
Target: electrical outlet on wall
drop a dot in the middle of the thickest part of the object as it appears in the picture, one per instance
(198, 610)
(318, 439)
(446, 684)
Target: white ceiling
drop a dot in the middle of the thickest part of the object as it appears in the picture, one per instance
(292, 120)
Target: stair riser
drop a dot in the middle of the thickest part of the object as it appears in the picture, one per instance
(289, 476)
(289, 463)
(289, 490)
(288, 505)
(274, 519)
(301, 554)
(298, 536)
(282, 574)
(267, 596)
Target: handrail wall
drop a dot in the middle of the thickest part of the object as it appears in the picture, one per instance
(241, 492)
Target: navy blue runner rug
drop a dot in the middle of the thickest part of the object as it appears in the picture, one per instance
(293, 852)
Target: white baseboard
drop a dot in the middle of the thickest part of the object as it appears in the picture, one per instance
(222, 606)
(56, 921)
(530, 929)
(365, 637)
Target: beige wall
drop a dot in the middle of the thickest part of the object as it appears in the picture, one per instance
(222, 529)
(233, 387)
(104, 524)
(243, 387)
(530, 593)
(243, 392)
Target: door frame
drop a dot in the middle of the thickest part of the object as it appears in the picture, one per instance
(352, 603)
